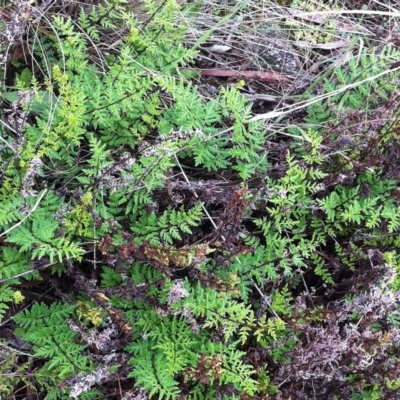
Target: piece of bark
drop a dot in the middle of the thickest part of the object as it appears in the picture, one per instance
(253, 75)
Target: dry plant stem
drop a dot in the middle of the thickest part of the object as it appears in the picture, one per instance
(195, 195)
(264, 97)
(26, 273)
(265, 299)
(6, 143)
(17, 351)
(27, 215)
(11, 129)
(206, 35)
(255, 75)
(341, 12)
(304, 104)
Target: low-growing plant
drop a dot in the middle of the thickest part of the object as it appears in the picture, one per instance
(201, 256)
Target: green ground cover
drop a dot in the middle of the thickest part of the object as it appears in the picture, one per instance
(183, 218)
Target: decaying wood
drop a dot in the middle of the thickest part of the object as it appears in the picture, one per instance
(253, 75)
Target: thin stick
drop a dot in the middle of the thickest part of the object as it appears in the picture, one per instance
(27, 215)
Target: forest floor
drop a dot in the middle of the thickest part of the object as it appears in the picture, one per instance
(200, 199)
